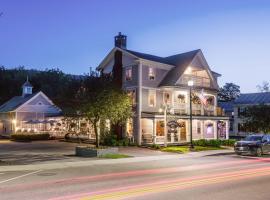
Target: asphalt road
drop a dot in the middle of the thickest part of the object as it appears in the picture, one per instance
(213, 177)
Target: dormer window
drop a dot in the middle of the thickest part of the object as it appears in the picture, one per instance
(151, 73)
(128, 74)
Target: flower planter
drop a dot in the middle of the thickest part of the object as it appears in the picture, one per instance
(84, 151)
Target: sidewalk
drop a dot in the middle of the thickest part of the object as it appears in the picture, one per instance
(97, 161)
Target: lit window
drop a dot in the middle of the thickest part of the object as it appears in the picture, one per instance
(181, 98)
(132, 95)
(128, 74)
(152, 98)
(160, 128)
(151, 73)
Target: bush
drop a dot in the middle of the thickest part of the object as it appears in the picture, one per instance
(213, 143)
(229, 142)
(109, 138)
(155, 146)
(30, 136)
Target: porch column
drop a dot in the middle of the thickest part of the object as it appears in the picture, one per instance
(215, 130)
(139, 105)
(187, 131)
(215, 106)
(154, 131)
(202, 137)
(202, 130)
(227, 129)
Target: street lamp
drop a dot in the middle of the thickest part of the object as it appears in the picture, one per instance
(190, 84)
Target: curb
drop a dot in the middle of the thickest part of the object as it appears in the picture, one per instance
(62, 165)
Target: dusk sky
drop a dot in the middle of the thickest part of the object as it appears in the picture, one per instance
(74, 35)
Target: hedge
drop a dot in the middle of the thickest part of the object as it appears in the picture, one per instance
(30, 136)
(213, 143)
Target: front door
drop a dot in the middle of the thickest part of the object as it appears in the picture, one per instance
(183, 131)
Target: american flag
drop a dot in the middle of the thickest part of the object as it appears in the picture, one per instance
(203, 98)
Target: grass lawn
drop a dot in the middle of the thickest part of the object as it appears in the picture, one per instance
(185, 149)
(115, 156)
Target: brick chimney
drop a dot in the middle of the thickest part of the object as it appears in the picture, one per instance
(120, 41)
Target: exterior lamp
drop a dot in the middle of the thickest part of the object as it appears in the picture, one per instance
(190, 84)
(14, 121)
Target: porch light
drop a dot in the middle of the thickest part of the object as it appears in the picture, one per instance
(190, 83)
(14, 121)
(160, 110)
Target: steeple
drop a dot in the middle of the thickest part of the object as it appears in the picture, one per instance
(27, 88)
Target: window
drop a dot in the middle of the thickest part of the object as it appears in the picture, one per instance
(160, 128)
(198, 127)
(181, 98)
(151, 73)
(167, 98)
(128, 74)
(132, 95)
(152, 98)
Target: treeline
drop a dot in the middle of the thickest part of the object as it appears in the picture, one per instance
(61, 88)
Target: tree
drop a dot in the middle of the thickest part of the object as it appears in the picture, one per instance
(229, 92)
(265, 87)
(100, 100)
(257, 118)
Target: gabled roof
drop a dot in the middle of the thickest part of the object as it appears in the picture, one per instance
(15, 102)
(254, 98)
(148, 57)
(181, 62)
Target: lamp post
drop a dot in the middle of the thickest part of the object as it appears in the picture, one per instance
(190, 84)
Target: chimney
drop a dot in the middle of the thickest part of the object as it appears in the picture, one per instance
(120, 41)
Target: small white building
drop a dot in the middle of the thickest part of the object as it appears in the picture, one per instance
(30, 112)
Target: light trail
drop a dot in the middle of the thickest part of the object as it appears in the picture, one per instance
(167, 185)
(133, 173)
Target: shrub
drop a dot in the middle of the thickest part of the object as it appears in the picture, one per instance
(229, 142)
(30, 136)
(207, 143)
(155, 146)
(213, 143)
(109, 138)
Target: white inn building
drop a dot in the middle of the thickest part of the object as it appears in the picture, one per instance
(154, 82)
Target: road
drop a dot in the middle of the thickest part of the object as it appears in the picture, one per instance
(213, 177)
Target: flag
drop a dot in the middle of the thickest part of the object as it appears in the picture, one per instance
(203, 98)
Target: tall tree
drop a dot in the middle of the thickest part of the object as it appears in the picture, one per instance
(100, 100)
(257, 118)
(264, 87)
(229, 92)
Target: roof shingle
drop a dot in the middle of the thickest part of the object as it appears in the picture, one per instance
(254, 98)
(15, 102)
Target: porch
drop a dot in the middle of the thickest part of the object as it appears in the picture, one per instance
(202, 128)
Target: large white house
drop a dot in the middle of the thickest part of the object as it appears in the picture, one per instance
(157, 82)
(30, 112)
